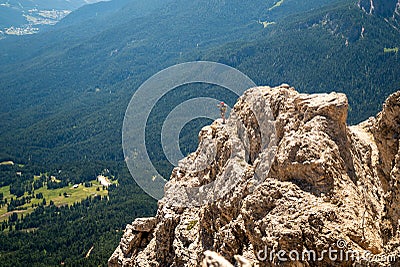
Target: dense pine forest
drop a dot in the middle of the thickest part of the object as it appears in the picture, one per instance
(65, 91)
(52, 235)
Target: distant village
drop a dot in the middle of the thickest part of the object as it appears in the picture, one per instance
(34, 18)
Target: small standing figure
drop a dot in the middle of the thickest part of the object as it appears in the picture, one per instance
(222, 109)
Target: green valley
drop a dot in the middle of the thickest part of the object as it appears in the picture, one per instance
(64, 93)
(67, 195)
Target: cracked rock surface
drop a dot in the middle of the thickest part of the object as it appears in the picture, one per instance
(326, 187)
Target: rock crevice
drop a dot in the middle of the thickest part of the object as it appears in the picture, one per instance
(329, 186)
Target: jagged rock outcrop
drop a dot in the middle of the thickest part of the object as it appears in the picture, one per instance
(330, 196)
(384, 8)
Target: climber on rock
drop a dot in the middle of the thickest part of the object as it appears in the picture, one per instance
(222, 109)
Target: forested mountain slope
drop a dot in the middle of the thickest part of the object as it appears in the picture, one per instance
(51, 105)
(28, 16)
(337, 48)
(64, 91)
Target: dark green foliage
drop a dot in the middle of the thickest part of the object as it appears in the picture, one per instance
(16, 203)
(189, 135)
(69, 97)
(64, 94)
(324, 51)
(18, 188)
(13, 217)
(55, 185)
(51, 235)
(37, 184)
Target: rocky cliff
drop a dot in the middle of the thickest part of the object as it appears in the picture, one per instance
(330, 196)
(384, 8)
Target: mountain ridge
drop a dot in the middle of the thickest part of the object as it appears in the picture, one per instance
(93, 64)
(28, 17)
(329, 187)
(65, 90)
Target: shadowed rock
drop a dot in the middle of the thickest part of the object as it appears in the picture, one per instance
(329, 186)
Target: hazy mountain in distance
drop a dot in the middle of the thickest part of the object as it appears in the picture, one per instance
(29, 16)
(64, 91)
(50, 80)
(48, 4)
(111, 12)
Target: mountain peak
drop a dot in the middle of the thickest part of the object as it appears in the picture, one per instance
(329, 187)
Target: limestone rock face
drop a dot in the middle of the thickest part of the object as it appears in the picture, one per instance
(384, 8)
(317, 193)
